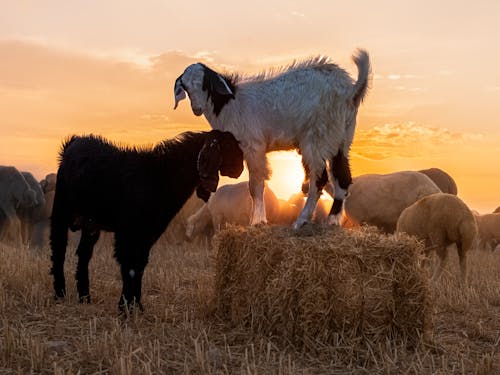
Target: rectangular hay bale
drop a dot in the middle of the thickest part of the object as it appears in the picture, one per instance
(307, 289)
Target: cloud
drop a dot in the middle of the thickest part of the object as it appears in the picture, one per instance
(398, 76)
(297, 14)
(393, 76)
(409, 140)
(70, 92)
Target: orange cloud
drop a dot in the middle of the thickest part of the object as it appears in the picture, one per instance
(408, 140)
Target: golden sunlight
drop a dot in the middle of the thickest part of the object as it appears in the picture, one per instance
(288, 173)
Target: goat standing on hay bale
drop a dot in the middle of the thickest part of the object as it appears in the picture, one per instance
(133, 193)
(311, 106)
(441, 220)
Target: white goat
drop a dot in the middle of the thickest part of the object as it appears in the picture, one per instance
(310, 105)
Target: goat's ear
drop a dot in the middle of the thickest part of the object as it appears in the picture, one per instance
(179, 91)
(203, 194)
(221, 86)
(214, 82)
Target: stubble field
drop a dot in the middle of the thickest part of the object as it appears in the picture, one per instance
(179, 332)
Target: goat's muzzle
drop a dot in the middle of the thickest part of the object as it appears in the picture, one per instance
(197, 111)
(208, 185)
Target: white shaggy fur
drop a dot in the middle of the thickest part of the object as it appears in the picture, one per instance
(311, 106)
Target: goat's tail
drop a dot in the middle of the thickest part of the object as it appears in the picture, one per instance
(362, 61)
(59, 223)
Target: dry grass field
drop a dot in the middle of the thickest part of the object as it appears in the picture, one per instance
(180, 333)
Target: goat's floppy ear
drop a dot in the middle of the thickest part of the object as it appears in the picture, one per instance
(221, 86)
(214, 82)
(203, 194)
(179, 91)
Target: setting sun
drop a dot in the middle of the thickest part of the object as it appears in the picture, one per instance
(288, 173)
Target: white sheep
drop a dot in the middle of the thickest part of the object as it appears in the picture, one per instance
(310, 105)
(488, 231)
(379, 199)
(232, 204)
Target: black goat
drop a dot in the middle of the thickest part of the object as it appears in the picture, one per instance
(133, 193)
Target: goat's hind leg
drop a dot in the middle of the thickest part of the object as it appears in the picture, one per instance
(58, 243)
(341, 173)
(316, 184)
(84, 252)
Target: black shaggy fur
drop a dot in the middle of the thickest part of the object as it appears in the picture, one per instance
(341, 171)
(134, 193)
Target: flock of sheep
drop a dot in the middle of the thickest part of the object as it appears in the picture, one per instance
(142, 194)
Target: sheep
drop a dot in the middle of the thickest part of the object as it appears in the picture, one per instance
(49, 182)
(310, 106)
(134, 193)
(440, 220)
(288, 212)
(41, 226)
(29, 216)
(15, 194)
(443, 180)
(488, 231)
(200, 224)
(379, 199)
(231, 203)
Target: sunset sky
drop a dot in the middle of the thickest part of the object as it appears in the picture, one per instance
(108, 67)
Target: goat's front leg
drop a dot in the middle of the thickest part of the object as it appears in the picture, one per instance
(258, 172)
(133, 258)
(316, 184)
(256, 187)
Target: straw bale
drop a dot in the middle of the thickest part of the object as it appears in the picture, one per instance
(307, 287)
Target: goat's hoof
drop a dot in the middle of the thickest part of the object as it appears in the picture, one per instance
(299, 224)
(334, 220)
(127, 309)
(60, 294)
(260, 224)
(84, 299)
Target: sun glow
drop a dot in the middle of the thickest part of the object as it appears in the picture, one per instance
(288, 173)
